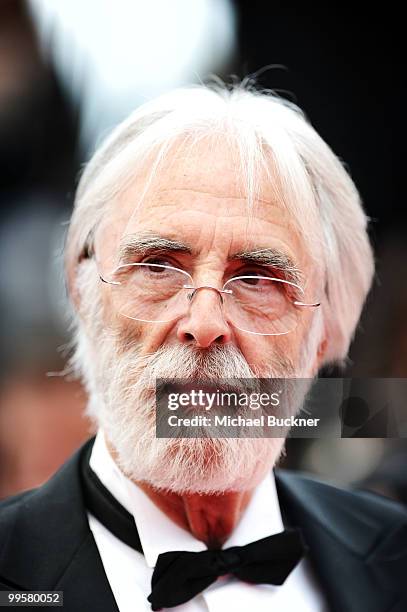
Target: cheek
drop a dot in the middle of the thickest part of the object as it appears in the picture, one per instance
(148, 337)
(261, 351)
(257, 350)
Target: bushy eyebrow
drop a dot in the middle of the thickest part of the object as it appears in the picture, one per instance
(273, 258)
(144, 244)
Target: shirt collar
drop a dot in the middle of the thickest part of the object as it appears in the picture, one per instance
(159, 534)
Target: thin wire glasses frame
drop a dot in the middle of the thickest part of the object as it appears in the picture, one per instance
(189, 286)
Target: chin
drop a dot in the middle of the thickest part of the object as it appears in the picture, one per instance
(202, 466)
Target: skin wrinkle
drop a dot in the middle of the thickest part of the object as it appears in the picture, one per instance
(218, 195)
(188, 512)
(283, 223)
(239, 200)
(280, 218)
(219, 169)
(188, 231)
(154, 244)
(206, 224)
(195, 241)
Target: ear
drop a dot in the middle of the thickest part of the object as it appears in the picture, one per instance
(321, 352)
(319, 357)
(72, 288)
(73, 264)
(73, 269)
(322, 346)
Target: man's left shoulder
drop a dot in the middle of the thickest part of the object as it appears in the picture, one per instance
(355, 538)
(360, 504)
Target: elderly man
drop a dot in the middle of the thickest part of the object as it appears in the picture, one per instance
(215, 235)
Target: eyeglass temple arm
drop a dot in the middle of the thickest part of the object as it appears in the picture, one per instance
(108, 282)
(315, 305)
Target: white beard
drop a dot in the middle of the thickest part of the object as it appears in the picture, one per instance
(123, 402)
(121, 385)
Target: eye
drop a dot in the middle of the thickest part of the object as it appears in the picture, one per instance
(255, 276)
(157, 261)
(253, 281)
(266, 281)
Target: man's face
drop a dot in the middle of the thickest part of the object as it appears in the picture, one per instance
(197, 201)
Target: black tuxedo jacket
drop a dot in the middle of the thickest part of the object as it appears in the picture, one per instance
(357, 541)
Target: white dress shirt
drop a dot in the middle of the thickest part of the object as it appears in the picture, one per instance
(129, 572)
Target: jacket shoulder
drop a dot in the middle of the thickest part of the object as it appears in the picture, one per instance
(10, 508)
(336, 508)
(313, 485)
(44, 523)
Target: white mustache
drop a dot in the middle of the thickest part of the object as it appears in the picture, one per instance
(183, 362)
(223, 365)
(189, 363)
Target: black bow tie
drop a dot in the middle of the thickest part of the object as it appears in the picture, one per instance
(179, 576)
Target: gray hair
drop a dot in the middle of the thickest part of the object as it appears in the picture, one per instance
(271, 135)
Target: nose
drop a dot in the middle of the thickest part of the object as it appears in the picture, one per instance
(204, 324)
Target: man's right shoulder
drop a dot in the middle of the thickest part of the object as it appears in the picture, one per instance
(39, 516)
(46, 543)
(10, 507)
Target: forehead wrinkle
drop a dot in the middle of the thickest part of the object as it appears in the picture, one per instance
(226, 196)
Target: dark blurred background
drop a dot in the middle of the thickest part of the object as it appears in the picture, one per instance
(71, 70)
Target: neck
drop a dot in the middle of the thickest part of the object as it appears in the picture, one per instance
(210, 518)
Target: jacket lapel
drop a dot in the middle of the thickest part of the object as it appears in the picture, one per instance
(60, 552)
(357, 554)
(84, 581)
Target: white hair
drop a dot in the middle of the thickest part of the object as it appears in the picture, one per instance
(269, 134)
